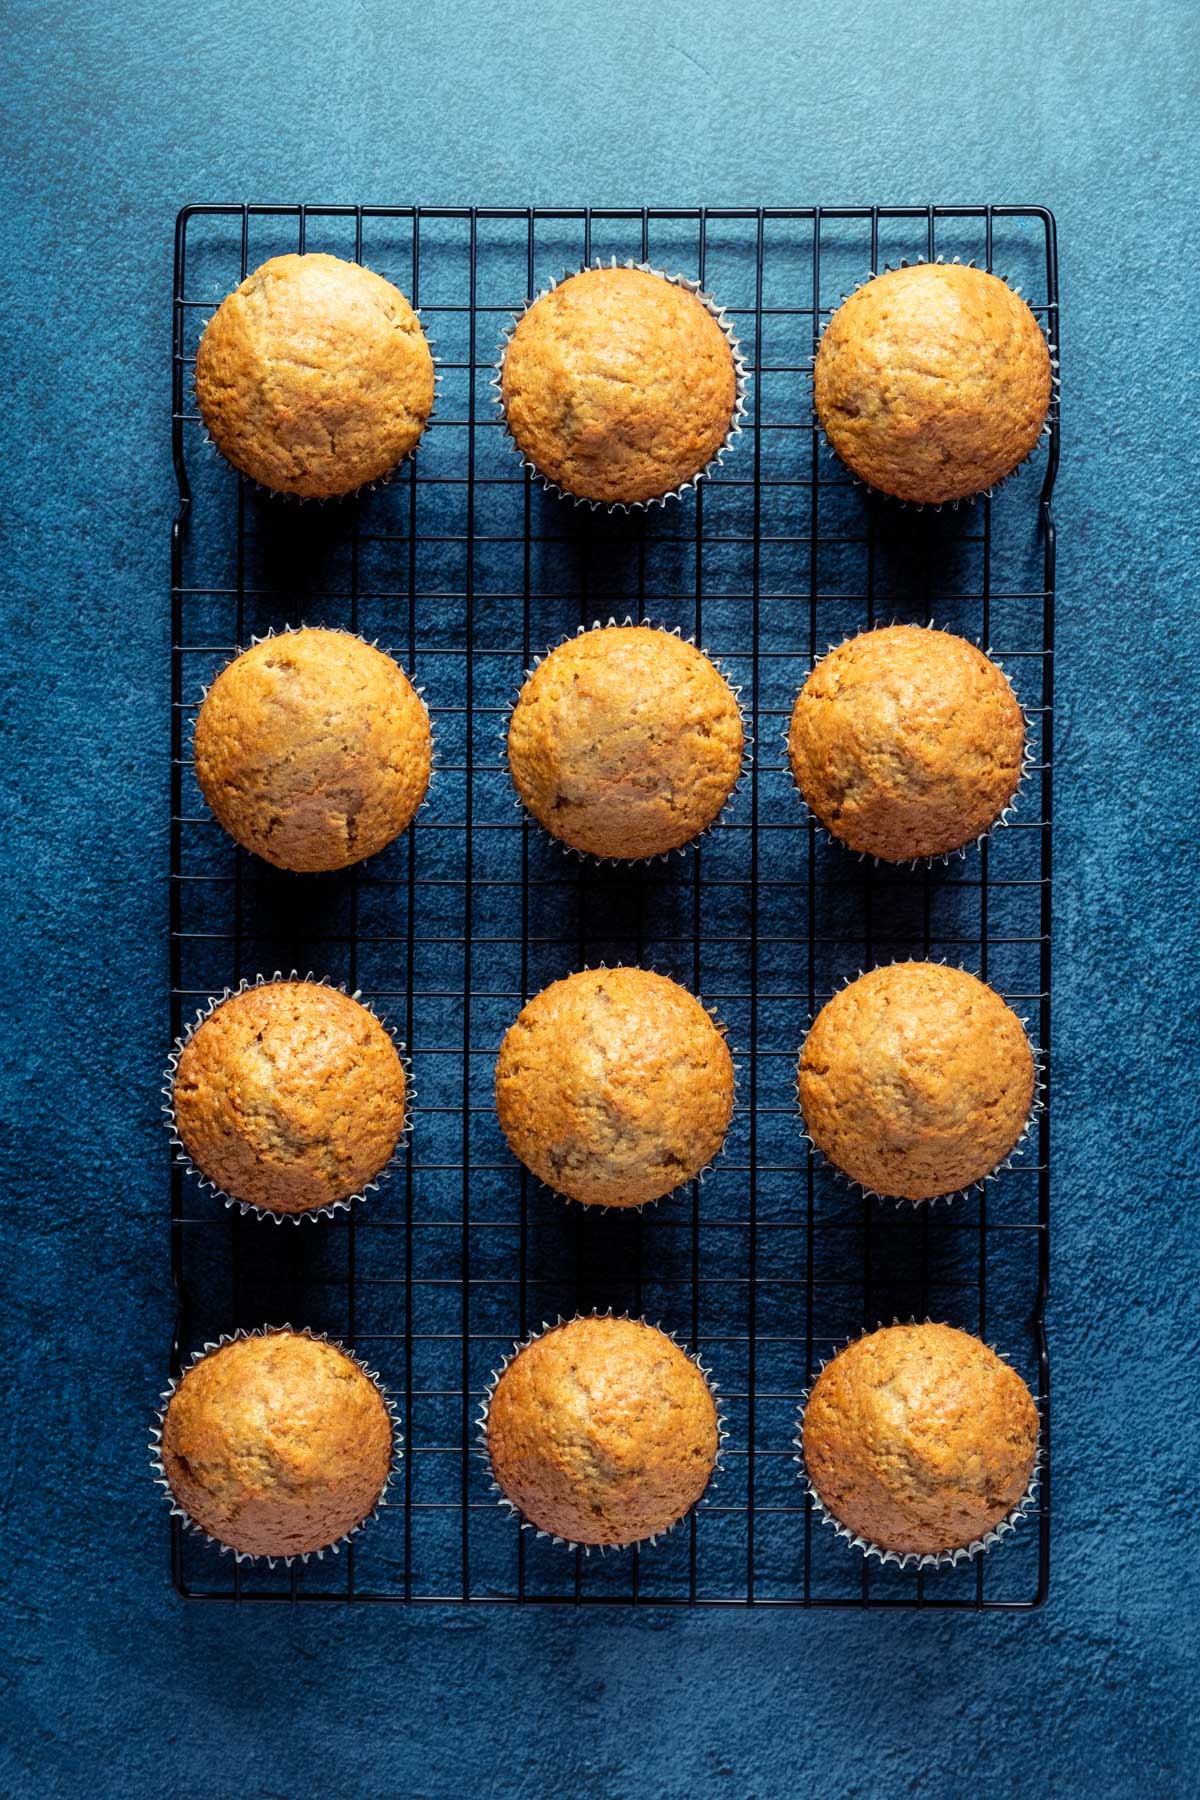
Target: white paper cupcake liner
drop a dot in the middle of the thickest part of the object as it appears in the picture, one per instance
(943, 857)
(159, 1472)
(1036, 1107)
(701, 1175)
(913, 1559)
(514, 1512)
(364, 487)
(907, 262)
(263, 637)
(741, 381)
(663, 856)
(183, 1159)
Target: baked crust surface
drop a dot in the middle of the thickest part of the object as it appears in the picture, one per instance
(602, 1431)
(916, 1080)
(933, 382)
(625, 742)
(618, 385)
(919, 1438)
(614, 1086)
(276, 1445)
(289, 1096)
(907, 742)
(314, 376)
(313, 749)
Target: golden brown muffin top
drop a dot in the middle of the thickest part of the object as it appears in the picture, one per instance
(277, 1444)
(313, 749)
(619, 385)
(614, 1086)
(625, 742)
(907, 742)
(916, 1080)
(289, 1096)
(602, 1431)
(314, 376)
(933, 382)
(919, 1438)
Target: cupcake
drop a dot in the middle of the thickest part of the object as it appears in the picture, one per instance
(601, 1431)
(919, 1440)
(614, 1086)
(907, 743)
(313, 749)
(619, 386)
(933, 382)
(276, 1444)
(625, 742)
(288, 1097)
(314, 376)
(916, 1081)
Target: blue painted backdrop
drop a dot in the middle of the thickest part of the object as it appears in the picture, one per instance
(110, 1686)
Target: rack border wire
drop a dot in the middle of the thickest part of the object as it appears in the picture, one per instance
(220, 914)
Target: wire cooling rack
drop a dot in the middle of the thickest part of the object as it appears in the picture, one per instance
(466, 570)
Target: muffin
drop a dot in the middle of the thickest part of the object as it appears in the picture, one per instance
(907, 743)
(614, 1086)
(619, 386)
(289, 1097)
(919, 1439)
(276, 1444)
(916, 1080)
(933, 382)
(314, 376)
(313, 749)
(625, 742)
(602, 1431)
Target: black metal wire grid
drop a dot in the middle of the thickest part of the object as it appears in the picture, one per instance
(467, 570)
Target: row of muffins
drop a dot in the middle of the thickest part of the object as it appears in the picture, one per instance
(314, 750)
(620, 385)
(918, 1442)
(615, 1087)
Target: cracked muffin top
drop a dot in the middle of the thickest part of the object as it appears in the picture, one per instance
(314, 376)
(919, 1438)
(916, 1080)
(933, 382)
(290, 1096)
(626, 742)
(618, 385)
(277, 1444)
(313, 749)
(907, 742)
(602, 1431)
(614, 1086)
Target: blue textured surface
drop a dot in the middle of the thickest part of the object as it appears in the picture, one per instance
(109, 1684)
